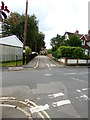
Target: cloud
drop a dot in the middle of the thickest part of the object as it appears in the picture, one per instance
(55, 16)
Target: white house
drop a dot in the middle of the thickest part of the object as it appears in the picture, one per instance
(10, 48)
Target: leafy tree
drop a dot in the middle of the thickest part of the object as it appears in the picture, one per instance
(74, 40)
(40, 41)
(57, 41)
(32, 32)
(15, 25)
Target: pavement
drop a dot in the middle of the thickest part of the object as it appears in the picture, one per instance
(33, 63)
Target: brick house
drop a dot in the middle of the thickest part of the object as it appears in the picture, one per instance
(85, 39)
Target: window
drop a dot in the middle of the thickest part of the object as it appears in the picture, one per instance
(83, 42)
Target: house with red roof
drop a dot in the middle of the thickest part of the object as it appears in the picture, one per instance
(85, 39)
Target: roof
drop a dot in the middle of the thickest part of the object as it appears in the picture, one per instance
(85, 37)
(70, 34)
(11, 41)
(82, 36)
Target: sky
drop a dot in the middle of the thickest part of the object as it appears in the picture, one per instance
(55, 16)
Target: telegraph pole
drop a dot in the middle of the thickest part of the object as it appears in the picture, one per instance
(25, 32)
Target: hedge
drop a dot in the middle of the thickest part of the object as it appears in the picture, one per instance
(69, 52)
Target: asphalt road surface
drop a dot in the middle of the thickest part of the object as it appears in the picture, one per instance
(50, 91)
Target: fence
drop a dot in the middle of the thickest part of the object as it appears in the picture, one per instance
(29, 57)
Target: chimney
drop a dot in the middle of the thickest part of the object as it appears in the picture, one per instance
(77, 32)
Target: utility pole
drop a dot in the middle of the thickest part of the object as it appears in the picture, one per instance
(25, 32)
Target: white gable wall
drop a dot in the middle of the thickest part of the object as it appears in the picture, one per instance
(10, 49)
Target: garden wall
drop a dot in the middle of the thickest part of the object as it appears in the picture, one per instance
(68, 61)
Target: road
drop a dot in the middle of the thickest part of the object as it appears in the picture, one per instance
(50, 91)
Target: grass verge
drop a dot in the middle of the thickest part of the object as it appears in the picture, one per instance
(11, 63)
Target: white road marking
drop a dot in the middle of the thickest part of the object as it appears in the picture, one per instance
(76, 73)
(78, 80)
(85, 97)
(53, 65)
(48, 67)
(78, 90)
(70, 73)
(56, 95)
(85, 89)
(60, 103)
(48, 74)
(39, 108)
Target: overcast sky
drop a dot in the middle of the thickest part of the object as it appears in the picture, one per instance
(55, 16)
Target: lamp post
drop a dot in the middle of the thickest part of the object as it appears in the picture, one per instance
(25, 32)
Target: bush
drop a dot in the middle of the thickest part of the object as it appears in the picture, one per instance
(27, 50)
(55, 54)
(70, 52)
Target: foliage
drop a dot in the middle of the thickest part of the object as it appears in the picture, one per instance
(70, 52)
(27, 50)
(74, 40)
(55, 54)
(50, 51)
(40, 41)
(56, 42)
(14, 25)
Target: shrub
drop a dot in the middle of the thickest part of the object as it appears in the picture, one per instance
(70, 52)
(27, 50)
(54, 54)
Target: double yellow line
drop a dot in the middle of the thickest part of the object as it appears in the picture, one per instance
(40, 112)
(28, 103)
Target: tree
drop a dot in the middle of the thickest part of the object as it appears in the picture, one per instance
(57, 41)
(40, 41)
(74, 40)
(32, 32)
(14, 25)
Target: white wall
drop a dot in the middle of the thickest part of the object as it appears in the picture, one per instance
(9, 53)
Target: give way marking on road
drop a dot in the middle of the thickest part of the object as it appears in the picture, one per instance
(60, 103)
(82, 95)
(56, 95)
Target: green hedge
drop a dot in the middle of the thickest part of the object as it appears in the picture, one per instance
(55, 54)
(69, 52)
